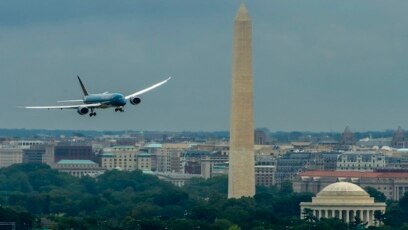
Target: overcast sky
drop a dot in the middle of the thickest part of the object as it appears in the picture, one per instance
(318, 65)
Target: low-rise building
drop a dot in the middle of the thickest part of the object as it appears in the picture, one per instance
(79, 168)
(265, 175)
(178, 179)
(360, 161)
(73, 151)
(119, 157)
(10, 156)
(144, 161)
(392, 184)
(39, 154)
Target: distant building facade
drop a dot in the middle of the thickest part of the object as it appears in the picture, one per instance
(261, 137)
(347, 139)
(290, 164)
(392, 184)
(73, 151)
(10, 156)
(265, 175)
(79, 168)
(144, 161)
(212, 164)
(177, 179)
(119, 157)
(360, 161)
(39, 154)
(399, 140)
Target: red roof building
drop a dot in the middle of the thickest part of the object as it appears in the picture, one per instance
(393, 184)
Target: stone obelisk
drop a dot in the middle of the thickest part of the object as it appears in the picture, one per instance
(241, 176)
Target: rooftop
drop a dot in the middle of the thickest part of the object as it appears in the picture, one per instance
(343, 188)
(81, 162)
(153, 145)
(355, 174)
(142, 154)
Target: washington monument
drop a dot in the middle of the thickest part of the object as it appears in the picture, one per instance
(241, 178)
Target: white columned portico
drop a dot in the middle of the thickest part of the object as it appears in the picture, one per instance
(344, 201)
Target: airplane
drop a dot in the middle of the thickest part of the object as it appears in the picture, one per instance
(90, 102)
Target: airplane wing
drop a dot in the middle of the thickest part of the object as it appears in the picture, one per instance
(95, 105)
(147, 89)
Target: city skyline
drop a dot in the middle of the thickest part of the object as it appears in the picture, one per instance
(317, 66)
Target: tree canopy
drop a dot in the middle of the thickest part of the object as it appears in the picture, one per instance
(133, 200)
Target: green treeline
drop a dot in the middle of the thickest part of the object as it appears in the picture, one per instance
(34, 194)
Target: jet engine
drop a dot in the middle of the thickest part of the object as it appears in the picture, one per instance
(135, 100)
(83, 110)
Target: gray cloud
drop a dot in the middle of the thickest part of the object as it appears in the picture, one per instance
(318, 65)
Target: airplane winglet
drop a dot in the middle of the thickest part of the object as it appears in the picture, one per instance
(147, 89)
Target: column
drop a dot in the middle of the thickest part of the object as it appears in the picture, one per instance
(352, 215)
(370, 217)
(361, 214)
(347, 216)
(365, 215)
(341, 214)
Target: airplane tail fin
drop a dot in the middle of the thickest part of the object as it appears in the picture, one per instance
(82, 86)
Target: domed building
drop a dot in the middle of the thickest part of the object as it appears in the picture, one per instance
(345, 201)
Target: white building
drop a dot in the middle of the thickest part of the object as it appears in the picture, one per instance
(344, 201)
(177, 179)
(165, 157)
(144, 161)
(79, 168)
(120, 157)
(10, 156)
(360, 161)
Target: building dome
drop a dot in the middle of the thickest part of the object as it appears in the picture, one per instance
(343, 192)
(343, 189)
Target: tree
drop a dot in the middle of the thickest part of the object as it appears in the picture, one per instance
(394, 216)
(377, 195)
(308, 215)
(286, 188)
(403, 202)
(331, 224)
(379, 216)
(357, 223)
(234, 227)
(221, 224)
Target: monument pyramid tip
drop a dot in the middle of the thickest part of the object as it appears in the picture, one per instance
(242, 14)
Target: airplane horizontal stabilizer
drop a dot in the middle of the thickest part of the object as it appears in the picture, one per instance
(67, 101)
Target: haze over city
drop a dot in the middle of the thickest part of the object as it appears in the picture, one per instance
(318, 66)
